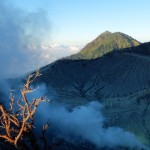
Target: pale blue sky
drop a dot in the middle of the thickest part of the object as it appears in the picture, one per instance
(77, 22)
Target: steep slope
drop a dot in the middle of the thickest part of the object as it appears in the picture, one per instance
(104, 43)
(120, 80)
(111, 75)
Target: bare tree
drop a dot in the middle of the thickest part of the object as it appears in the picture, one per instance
(16, 125)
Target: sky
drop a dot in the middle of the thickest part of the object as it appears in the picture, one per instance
(34, 33)
(77, 22)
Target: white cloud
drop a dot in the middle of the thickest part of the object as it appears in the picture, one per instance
(51, 52)
(74, 49)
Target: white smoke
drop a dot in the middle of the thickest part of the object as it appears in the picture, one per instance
(87, 123)
(25, 41)
(84, 122)
(80, 123)
(20, 36)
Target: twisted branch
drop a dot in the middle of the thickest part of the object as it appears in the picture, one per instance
(17, 125)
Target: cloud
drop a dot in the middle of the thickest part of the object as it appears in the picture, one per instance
(52, 52)
(20, 38)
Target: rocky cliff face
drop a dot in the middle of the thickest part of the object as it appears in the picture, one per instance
(120, 80)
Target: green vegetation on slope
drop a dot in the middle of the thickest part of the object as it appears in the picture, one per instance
(104, 43)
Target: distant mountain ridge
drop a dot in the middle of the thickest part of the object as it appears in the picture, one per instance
(104, 43)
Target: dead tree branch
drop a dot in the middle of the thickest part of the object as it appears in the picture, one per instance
(16, 125)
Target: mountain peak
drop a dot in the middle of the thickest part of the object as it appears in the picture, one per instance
(104, 43)
(106, 32)
(115, 36)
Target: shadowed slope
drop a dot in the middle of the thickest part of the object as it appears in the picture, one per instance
(120, 80)
(117, 73)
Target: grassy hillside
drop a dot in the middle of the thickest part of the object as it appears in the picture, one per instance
(104, 43)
